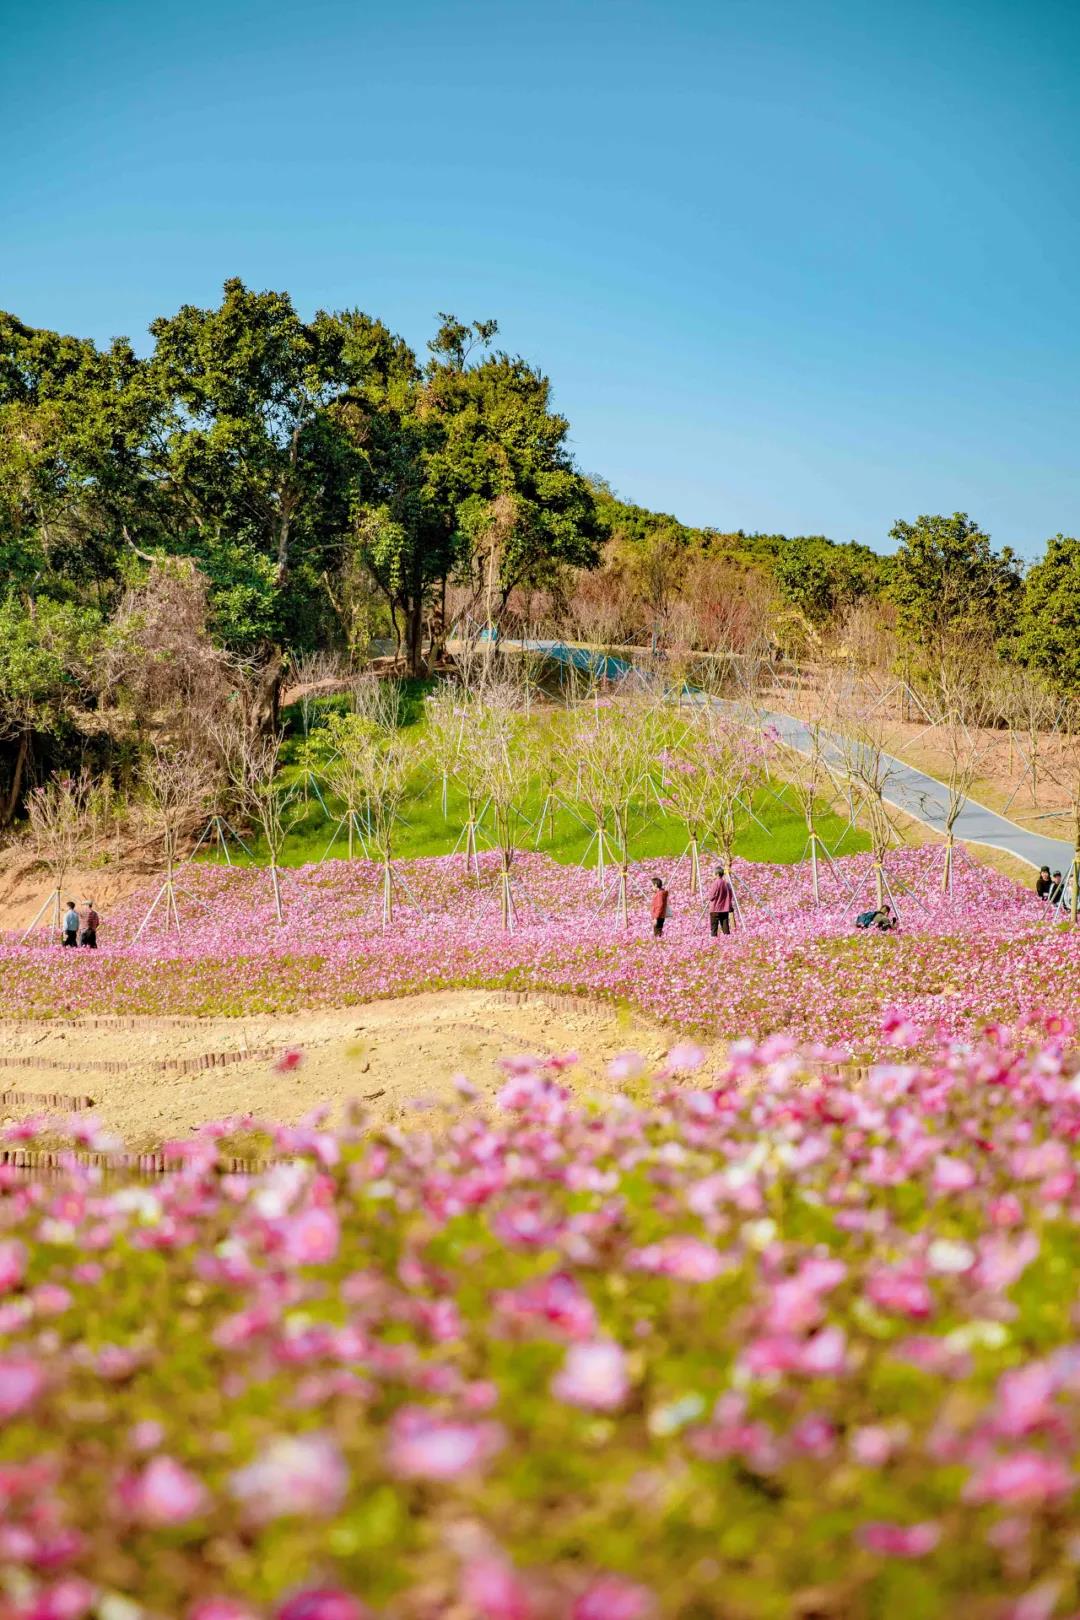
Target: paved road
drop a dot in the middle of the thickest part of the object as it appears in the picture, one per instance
(910, 790)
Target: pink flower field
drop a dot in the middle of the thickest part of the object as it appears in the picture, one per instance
(759, 1344)
(988, 953)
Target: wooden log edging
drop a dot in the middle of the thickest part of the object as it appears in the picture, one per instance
(207, 1060)
(45, 1099)
(44, 1161)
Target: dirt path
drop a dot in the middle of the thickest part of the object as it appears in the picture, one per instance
(152, 1079)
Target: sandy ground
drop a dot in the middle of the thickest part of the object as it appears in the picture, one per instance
(397, 1057)
(25, 884)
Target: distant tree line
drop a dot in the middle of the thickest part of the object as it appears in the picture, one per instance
(178, 527)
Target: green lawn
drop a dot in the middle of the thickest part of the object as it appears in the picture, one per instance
(780, 836)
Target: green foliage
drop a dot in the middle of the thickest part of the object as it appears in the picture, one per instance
(42, 654)
(1048, 621)
(819, 578)
(950, 586)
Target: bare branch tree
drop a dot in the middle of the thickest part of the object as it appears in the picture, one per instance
(61, 813)
(176, 786)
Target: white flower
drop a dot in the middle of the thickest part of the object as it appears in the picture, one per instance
(944, 1254)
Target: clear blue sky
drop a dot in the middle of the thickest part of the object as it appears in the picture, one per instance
(791, 265)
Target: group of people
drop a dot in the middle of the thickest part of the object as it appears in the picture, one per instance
(1050, 887)
(721, 903)
(80, 930)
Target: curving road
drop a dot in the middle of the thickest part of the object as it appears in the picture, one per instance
(909, 790)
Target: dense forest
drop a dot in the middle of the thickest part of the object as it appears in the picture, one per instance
(257, 488)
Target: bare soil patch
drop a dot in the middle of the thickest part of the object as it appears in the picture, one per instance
(154, 1079)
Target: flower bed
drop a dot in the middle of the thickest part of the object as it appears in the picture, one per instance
(759, 1345)
(987, 953)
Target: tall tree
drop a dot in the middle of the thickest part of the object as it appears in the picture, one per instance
(1048, 623)
(470, 477)
(949, 584)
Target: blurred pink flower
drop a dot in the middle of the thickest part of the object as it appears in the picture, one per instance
(685, 1057)
(593, 1375)
(493, 1590)
(952, 1175)
(301, 1475)
(310, 1238)
(291, 1058)
(426, 1446)
(609, 1597)
(21, 1382)
(12, 1264)
(68, 1599)
(1024, 1476)
(322, 1603)
(163, 1493)
(900, 1540)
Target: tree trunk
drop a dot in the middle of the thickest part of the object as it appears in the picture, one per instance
(415, 648)
(19, 771)
(264, 699)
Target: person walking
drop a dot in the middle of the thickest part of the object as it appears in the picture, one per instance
(659, 906)
(90, 927)
(1042, 882)
(721, 900)
(71, 925)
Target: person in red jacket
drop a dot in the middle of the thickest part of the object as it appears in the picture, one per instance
(721, 900)
(659, 906)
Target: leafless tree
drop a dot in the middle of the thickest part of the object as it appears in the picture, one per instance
(176, 787)
(60, 814)
(254, 772)
(864, 740)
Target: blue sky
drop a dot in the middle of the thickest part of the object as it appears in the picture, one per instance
(791, 265)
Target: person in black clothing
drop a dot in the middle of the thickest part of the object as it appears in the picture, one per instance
(1042, 882)
(1057, 890)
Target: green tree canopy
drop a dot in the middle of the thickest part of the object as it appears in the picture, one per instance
(950, 585)
(1048, 621)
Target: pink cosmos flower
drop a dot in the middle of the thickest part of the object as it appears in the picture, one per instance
(303, 1475)
(322, 1603)
(1023, 1399)
(493, 1591)
(311, 1238)
(609, 1597)
(594, 1376)
(900, 1292)
(684, 1257)
(952, 1175)
(21, 1382)
(12, 1264)
(825, 1354)
(68, 1599)
(1022, 1477)
(163, 1493)
(426, 1446)
(898, 1030)
(1006, 1210)
(900, 1540)
(290, 1059)
(557, 1300)
(685, 1057)
(872, 1445)
(626, 1066)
